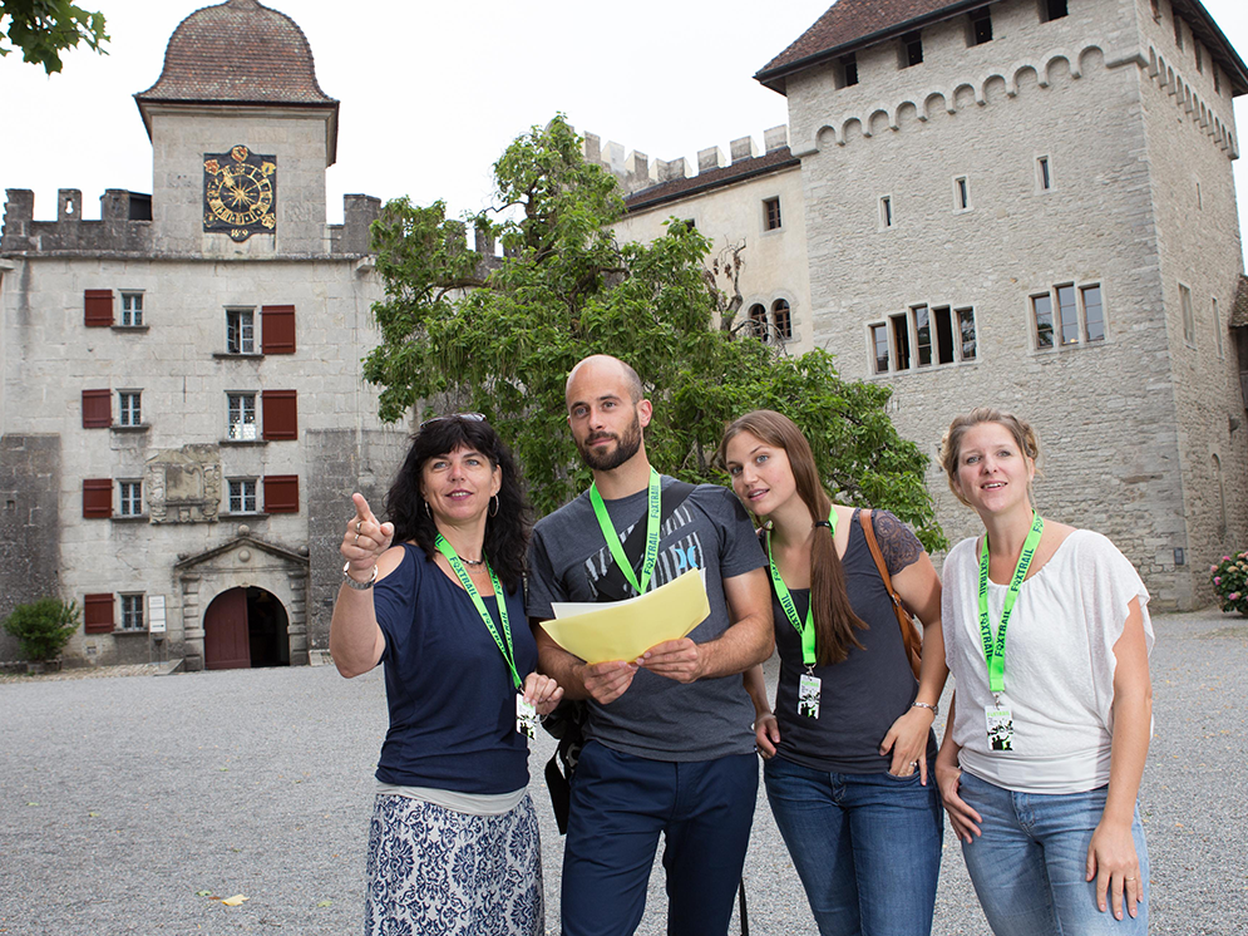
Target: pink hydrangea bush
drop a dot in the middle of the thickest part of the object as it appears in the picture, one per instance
(1230, 582)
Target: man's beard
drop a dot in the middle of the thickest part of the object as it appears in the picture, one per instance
(626, 447)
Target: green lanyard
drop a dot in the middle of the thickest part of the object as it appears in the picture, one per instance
(504, 642)
(994, 654)
(613, 538)
(807, 632)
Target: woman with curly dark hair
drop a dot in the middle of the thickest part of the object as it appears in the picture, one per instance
(849, 747)
(453, 845)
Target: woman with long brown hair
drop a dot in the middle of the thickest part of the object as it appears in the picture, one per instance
(848, 747)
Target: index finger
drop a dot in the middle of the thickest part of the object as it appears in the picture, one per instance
(362, 510)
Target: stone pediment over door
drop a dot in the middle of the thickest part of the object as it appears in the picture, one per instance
(244, 561)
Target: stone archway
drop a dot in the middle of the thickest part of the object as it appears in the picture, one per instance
(246, 627)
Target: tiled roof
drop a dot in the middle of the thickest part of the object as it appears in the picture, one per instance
(1239, 314)
(852, 24)
(238, 51)
(739, 171)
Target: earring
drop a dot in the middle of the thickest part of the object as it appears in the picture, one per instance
(428, 512)
(494, 506)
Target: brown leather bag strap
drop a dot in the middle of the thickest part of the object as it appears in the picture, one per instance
(909, 636)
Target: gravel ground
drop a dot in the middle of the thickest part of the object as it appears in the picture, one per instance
(127, 804)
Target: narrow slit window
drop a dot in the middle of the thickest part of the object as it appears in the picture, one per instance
(1068, 314)
(961, 194)
(1189, 315)
(886, 212)
(901, 342)
(1178, 30)
(1044, 174)
(923, 335)
(1217, 330)
(879, 346)
(944, 335)
(1093, 314)
(1042, 310)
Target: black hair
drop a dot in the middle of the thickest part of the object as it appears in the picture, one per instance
(506, 531)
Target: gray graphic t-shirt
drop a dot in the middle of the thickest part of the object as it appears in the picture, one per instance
(656, 717)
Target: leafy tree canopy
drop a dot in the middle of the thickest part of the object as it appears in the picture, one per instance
(43, 29)
(472, 333)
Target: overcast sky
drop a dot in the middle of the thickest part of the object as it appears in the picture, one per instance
(432, 92)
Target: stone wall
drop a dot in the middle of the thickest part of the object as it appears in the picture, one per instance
(30, 483)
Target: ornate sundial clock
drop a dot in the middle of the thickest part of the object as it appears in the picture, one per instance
(240, 193)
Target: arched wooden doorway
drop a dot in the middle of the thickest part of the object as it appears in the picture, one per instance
(245, 627)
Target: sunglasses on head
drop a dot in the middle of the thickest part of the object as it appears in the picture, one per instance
(467, 417)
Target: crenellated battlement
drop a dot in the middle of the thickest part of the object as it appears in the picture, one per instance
(636, 172)
(125, 225)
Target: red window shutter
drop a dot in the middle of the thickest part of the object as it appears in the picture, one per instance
(281, 414)
(97, 409)
(99, 307)
(97, 613)
(277, 329)
(281, 493)
(97, 497)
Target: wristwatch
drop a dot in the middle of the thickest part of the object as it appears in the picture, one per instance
(935, 708)
(357, 585)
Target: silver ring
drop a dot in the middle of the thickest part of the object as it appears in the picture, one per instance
(914, 763)
(356, 540)
(358, 524)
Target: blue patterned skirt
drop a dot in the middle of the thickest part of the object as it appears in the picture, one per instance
(436, 872)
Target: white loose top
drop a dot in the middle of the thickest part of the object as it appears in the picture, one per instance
(1059, 663)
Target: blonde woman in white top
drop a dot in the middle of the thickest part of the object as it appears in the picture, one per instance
(1047, 634)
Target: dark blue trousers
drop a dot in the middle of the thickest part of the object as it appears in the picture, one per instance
(620, 804)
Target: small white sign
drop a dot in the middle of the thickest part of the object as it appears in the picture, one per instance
(156, 614)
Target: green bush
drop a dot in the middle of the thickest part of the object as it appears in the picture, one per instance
(43, 627)
(1230, 581)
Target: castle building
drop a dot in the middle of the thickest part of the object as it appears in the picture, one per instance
(182, 416)
(1026, 204)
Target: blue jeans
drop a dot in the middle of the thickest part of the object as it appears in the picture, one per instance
(1029, 865)
(866, 846)
(620, 804)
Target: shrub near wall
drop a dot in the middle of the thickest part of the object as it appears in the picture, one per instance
(43, 627)
(1230, 582)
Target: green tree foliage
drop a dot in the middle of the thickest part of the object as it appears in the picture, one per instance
(43, 29)
(43, 627)
(473, 333)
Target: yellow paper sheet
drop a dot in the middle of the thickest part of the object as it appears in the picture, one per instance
(624, 630)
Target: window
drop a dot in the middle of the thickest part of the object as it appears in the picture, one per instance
(1079, 318)
(1200, 198)
(242, 492)
(961, 194)
(758, 322)
(277, 329)
(1053, 9)
(886, 211)
(1217, 80)
(1189, 316)
(1156, 5)
(849, 70)
(98, 308)
(241, 410)
(97, 613)
(879, 347)
(281, 416)
(132, 618)
(281, 494)
(131, 309)
(1044, 174)
(240, 331)
(131, 500)
(131, 410)
(1178, 29)
(782, 318)
(911, 49)
(771, 213)
(1200, 58)
(97, 409)
(981, 26)
(941, 335)
(1217, 330)
(97, 498)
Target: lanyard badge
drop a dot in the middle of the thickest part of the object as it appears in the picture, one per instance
(526, 714)
(653, 512)
(809, 686)
(999, 719)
